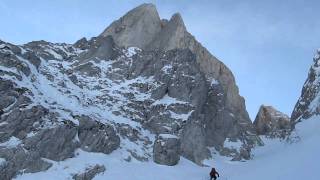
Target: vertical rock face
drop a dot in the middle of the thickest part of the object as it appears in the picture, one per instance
(309, 102)
(193, 142)
(225, 114)
(142, 27)
(272, 122)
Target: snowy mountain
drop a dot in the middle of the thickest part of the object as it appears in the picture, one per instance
(308, 103)
(143, 100)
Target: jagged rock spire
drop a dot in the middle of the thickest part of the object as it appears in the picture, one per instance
(172, 35)
(142, 27)
(136, 28)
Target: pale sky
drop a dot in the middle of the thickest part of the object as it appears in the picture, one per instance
(268, 45)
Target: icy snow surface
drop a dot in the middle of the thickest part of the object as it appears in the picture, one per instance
(12, 142)
(168, 136)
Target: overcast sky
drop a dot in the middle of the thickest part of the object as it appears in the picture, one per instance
(268, 44)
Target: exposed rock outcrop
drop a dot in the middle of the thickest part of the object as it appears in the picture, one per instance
(193, 142)
(56, 144)
(97, 137)
(19, 122)
(272, 123)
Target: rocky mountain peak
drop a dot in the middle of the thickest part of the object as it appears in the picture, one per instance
(145, 7)
(136, 28)
(271, 122)
(143, 28)
(146, 11)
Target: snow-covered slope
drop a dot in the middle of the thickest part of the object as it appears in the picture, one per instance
(277, 160)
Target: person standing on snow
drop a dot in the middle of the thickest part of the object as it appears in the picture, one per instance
(214, 174)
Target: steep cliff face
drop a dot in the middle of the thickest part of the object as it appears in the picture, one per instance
(142, 27)
(231, 119)
(309, 103)
(141, 79)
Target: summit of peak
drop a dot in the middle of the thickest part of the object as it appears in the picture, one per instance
(176, 17)
(142, 26)
(144, 10)
(136, 28)
(264, 106)
(177, 20)
(146, 6)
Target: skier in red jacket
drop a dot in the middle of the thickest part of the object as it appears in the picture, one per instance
(214, 174)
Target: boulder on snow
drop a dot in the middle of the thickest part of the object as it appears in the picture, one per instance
(90, 172)
(166, 150)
